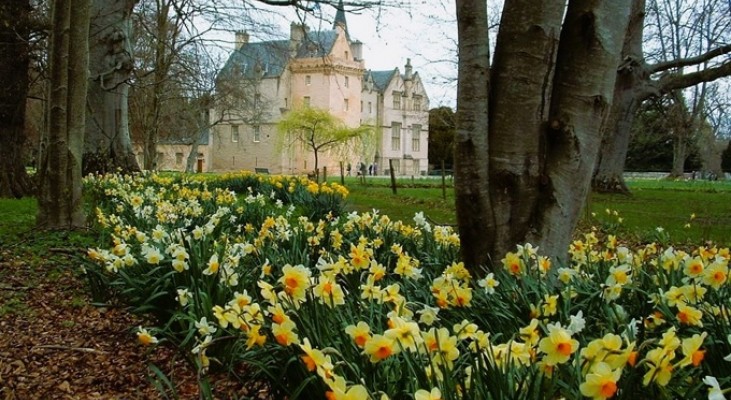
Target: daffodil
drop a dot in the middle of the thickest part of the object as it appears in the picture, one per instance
(145, 338)
(558, 346)
(360, 333)
(380, 347)
(434, 394)
(295, 280)
(691, 348)
(688, 315)
(489, 283)
(339, 390)
(601, 382)
(513, 263)
(284, 333)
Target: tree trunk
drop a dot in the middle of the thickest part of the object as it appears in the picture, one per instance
(588, 56)
(108, 146)
(14, 36)
(680, 151)
(519, 101)
(59, 197)
(471, 184)
(164, 41)
(617, 128)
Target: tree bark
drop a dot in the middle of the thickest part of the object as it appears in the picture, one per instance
(14, 36)
(471, 157)
(108, 146)
(617, 128)
(519, 105)
(588, 57)
(59, 197)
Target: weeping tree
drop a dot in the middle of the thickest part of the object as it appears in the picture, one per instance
(107, 144)
(318, 131)
(59, 195)
(14, 45)
(528, 128)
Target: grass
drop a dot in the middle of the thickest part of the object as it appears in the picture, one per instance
(653, 204)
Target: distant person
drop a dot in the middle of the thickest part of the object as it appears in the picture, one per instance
(370, 169)
(350, 167)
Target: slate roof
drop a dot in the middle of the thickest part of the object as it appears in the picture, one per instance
(381, 79)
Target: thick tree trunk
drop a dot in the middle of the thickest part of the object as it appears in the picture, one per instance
(617, 128)
(471, 184)
(588, 57)
(108, 146)
(59, 197)
(519, 101)
(14, 36)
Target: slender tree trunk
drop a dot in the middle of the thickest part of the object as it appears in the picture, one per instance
(588, 57)
(680, 151)
(190, 164)
(519, 105)
(163, 61)
(108, 146)
(14, 36)
(59, 197)
(471, 162)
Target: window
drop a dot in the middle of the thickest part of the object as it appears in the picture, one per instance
(286, 105)
(257, 100)
(395, 136)
(346, 54)
(396, 164)
(396, 100)
(417, 103)
(306, 101)
(234, 133)
(361, 106)
(370, 108)
(257, 133)
(347, 82)
(308, 80)
(346, 105)
(178, 158)
(415, 138)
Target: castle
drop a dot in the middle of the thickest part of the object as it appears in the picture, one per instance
(317, 69)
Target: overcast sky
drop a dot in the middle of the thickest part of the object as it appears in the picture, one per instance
(423, 32)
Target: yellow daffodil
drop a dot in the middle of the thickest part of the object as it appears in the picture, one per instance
(380, 347)
(558, 346)
(360, 333)
(691, 347)
(434, 394)
(145, 338)
(601, 382)
(284, 333)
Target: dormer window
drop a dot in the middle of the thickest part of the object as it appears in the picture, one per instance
(346, 54)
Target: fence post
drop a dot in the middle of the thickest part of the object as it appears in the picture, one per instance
(444, 184)
(342, 174)
(393, 176)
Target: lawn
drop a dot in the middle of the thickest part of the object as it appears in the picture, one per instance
(653, 203)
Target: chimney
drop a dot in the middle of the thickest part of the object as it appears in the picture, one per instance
(242, 38)
(408, 71)
(357, 47)
(297, 34)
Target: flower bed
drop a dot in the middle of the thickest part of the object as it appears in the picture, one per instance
(359, 306)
